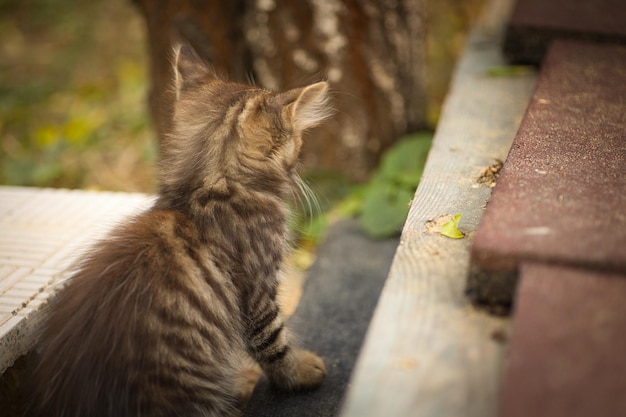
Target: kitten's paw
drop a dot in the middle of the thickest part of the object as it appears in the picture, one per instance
(301, 370)
(311, 370)
(245, 383)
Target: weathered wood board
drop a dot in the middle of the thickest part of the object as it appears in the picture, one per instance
(428, 352)
(42, 232)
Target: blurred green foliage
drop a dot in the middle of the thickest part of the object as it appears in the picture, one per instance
(391, 188)
(73, 78)
(382, 204)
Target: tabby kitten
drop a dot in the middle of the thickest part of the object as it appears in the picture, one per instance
(157, 318)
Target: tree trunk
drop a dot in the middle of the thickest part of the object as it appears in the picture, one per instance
(371, 51)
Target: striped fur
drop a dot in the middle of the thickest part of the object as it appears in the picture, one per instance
(159, 318)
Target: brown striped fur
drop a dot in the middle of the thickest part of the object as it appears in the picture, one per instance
(156, 320)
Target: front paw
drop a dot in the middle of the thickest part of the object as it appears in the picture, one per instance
(311, 370)
(300, 370)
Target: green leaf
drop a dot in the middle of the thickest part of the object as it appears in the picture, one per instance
(450, 228)
(406, 158)
(386, 197)
(385, 210)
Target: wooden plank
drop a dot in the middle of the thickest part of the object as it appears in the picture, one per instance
(427, 351)
(42, 232)
(567, 348)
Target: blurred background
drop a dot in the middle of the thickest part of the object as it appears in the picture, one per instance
(74, 79)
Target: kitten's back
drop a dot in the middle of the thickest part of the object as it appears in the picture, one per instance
(146, 316)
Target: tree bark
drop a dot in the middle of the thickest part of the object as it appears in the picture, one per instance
(371, 51)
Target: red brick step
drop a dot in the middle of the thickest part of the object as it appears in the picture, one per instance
(561, 196)
(535, 23)
(566, 353)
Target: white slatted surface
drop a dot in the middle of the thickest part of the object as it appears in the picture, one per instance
(42, 232)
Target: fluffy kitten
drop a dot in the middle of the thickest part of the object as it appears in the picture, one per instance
(157, 318)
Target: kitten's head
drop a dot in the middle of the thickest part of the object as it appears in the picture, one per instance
(227, 135)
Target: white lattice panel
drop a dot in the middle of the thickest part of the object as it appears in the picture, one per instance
(42, 233)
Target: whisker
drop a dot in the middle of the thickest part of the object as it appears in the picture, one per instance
(250, 77)
(308, 203)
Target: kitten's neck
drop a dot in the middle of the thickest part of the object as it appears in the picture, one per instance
(248, 227)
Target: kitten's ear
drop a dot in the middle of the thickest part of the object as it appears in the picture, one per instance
(307, 106)
(189, 68)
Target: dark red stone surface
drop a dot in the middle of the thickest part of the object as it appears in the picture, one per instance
(535, 23)
(561, 196)
(568, 345)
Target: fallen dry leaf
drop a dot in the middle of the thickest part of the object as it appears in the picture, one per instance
(489, 175)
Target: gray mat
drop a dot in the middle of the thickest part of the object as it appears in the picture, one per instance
(338, 300)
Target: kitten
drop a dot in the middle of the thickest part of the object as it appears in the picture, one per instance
(157, 318)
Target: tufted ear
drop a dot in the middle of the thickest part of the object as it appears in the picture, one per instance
(306, 106)
(189, 68)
